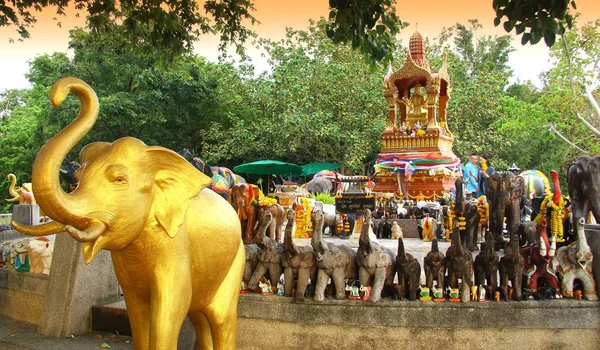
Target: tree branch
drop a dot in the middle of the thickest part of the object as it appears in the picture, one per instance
(579, 117)
(590, 97)
(557, 133)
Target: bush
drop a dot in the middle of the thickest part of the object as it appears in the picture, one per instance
(323, 197)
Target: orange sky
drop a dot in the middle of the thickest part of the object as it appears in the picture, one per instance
(275, 15)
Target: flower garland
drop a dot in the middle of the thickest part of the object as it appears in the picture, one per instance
(484, 210)
(411, 162)
(303, 219)
(556, 216)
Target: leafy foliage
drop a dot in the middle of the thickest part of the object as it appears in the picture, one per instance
(320, 102)
(324, 197)
(535, 19)
(367, 24)
(174, 24)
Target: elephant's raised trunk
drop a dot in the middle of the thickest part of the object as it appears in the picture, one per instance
(316, 240)
(11, 188)
(288, 243)
(51, 198)
(364, 240)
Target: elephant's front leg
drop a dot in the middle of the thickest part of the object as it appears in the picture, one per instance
(493, 281)
(138, 311)
(402, 285)
(338, 281)
(363, 276)
(517, 283)
(322, 279)
(288, 275)
(258, 273)
(589, 287)
(378, 282)
(171, 296)
(275, 273)
(412, 286)
(303, 276)
(440, 278)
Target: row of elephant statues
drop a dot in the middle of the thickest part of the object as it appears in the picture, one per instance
(376, 266)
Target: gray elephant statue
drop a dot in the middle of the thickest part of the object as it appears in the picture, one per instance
(434, 266)
(333, 261)
(298, 262)
(575, 260)
(505, 193)
(459, 260)
(277, 212)
(376, 264)
(270, 253)
(251, 251)
(319, 185)
(409, 273)
(486, 266)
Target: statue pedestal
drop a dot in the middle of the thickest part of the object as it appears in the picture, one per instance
(27, 214)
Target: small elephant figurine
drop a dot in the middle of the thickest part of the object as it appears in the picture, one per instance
(176, 245)
(375, 262)
(270, 253)
(335, 262)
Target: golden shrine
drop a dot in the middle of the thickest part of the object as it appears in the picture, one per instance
(416, 159)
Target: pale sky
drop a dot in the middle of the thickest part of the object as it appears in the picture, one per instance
(431, 16)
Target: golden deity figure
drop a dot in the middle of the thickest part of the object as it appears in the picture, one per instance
(416, 104)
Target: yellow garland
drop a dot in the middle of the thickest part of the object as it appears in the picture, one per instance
(484, 210)
(303, 219)
(556, 216)
(266, 201)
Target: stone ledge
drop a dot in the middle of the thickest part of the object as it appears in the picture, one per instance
(551, 314)
(26, 282)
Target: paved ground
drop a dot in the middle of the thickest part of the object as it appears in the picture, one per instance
(16, 335)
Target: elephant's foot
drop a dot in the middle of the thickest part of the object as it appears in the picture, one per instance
(319, 297)
(340, 296)
(590, 295)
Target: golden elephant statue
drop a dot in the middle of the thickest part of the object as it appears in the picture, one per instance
(175, 244)
(23, 193)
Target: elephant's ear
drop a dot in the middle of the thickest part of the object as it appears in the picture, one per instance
(177, 181)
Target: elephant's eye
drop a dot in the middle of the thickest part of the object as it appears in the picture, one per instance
(117, 174)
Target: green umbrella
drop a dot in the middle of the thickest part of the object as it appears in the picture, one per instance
(268, 167)
(313, 168)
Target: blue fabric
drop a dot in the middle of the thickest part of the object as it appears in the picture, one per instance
(483, 180)
(471, 178)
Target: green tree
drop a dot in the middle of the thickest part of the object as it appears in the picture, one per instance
(569, 88)
(479, 71)
(319, 102)
(369, 25)
(158, 103)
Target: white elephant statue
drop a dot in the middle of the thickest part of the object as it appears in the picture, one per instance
(40, 252)
(573, 265)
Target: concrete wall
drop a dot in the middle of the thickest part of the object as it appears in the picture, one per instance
(279, 322)
(60, 303)
(22, 295)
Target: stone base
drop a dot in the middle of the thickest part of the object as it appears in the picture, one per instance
(27, 214)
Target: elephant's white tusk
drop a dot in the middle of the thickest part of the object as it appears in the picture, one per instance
(93, 231)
